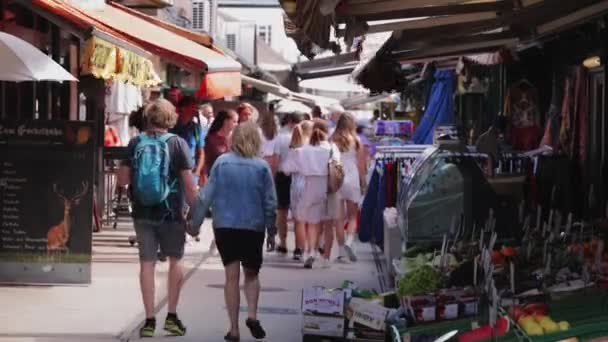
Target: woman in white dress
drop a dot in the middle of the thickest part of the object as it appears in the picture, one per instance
(345, 137)
(300, 137)
(310, 162)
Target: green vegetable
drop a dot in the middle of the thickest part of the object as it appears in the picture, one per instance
(423, 280)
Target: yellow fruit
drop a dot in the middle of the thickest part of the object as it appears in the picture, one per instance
(539, 318)
(550, 327)
(533, 329)
(563, 325)
(545, 319)
(522, 321)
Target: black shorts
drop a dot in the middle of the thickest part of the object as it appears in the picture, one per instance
(282, 183)
(241, 245)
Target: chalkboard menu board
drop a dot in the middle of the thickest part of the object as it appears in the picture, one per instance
(46, 201)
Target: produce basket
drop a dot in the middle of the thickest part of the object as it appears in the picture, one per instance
(587, 313)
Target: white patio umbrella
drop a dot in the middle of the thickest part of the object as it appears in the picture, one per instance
(21, 61)
(289, 106)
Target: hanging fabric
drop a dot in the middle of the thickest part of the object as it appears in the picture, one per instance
(122, 98)
(440, 108)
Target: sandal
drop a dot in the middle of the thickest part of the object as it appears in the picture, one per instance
(231, 338)
(256, 328)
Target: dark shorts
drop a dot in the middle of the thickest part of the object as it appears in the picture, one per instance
(282, 184)
(170, 237)
(241, 245)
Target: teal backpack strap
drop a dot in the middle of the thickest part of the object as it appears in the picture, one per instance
(165, 137)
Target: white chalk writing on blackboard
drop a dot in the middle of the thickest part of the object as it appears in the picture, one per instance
(24, 130)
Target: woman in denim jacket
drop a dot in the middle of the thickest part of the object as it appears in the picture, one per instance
(242, 195)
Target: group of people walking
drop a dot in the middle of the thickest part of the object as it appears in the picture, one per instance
(303, 149)
(251, 175)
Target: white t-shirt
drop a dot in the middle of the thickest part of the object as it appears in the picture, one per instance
(281, 146)
(267, 145)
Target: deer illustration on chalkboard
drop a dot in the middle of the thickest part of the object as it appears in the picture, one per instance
(58, 235)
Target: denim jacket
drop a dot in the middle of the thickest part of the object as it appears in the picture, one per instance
(241, 193)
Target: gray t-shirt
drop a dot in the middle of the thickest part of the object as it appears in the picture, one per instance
(180, 161)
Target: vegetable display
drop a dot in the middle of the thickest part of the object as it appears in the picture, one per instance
(422, 280)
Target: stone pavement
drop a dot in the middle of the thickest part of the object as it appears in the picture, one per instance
(110, 308)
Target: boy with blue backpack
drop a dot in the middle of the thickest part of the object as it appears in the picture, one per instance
(159, 174)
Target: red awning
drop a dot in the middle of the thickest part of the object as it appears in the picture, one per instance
(159, 38)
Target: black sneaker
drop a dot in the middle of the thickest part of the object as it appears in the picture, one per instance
(281, 250)
(174, 326)
(148, 329)
(297, 254)
(256, 328)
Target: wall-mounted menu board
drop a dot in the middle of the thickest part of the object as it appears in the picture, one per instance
(46, 201)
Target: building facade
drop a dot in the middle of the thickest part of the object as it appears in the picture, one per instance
(242, 25)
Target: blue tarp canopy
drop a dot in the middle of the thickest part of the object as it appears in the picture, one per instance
(439, 109)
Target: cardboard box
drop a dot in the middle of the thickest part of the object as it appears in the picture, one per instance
(320, 300)
(323, 325)
(423, 308)
(367, 314)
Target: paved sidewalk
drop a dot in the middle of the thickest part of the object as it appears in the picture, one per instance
(107, 309)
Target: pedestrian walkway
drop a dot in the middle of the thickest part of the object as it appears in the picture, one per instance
(110, 308)
(203, 311)
(106, 309)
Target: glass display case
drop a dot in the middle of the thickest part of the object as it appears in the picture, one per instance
(443, 190)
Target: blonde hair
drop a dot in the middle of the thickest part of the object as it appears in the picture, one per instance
(345, 128)
(297, 137)
(246, 140)
(319, 132)
(160, 114)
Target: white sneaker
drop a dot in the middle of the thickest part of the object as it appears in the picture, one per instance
(351, 253)
(324, 263)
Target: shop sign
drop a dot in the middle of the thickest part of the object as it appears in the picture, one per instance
(108, 61)
(46, 202)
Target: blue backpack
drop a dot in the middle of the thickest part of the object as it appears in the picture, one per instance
(150, 170)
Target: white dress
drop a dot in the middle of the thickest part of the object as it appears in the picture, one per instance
(351, 189)
(308, 166)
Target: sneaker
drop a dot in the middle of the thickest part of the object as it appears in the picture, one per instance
(281, 250)
(297, 254)
(256, 328)
(351, 253)
(342, 260)
(148, 329)
(324, 263)
(309, 262)
(174, 327)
